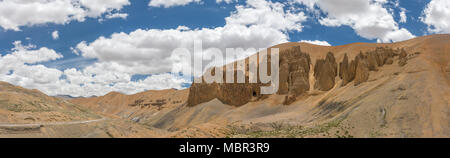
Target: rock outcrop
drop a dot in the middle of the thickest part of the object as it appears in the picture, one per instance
(347, 70)
(373, 61)
(402, 58)
(294, 81)
(325, 72)
(358, 70)
(236, 94)
(385, 56)
(294, 76)
(362, 69)
(202, 92)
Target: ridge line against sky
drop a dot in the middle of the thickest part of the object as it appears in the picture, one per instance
(92, 47)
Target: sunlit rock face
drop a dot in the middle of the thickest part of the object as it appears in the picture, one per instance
(293, 81)
(325, 72)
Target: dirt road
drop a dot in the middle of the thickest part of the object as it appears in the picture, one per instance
(9, 125)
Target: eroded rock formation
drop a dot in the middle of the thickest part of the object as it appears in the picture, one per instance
(294, 81)
(403, 60)
(358, 70)
(347, 70)
(294, 76)
(362, 69)
(325, 72)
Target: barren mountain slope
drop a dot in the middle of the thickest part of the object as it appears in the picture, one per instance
(19, 105)
(30, 113)
(407, 95)
(137, 107)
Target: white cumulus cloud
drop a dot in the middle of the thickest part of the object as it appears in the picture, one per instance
(149, 51)
(226, 1)
(117, 15)
(403, 17)
(55, 35)
(173, 3)
(437, 16)
(317, 42)
(28, 54)
(170, 3)
(369, 18)
(23, 67)
(17, 13)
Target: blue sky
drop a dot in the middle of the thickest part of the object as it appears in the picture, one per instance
(203, 15)
(194, 15)
(140, 16)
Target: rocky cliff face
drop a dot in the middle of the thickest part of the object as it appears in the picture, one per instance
(358, 69)
(197, 93)
(347, 70)
(236, 94)
(294, 76)
(294, 81)
(362, 69)
(325, 72)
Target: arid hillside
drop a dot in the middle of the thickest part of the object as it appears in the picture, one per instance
(31, 113)
(356, 90)
(136, 107)
(20, 105)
